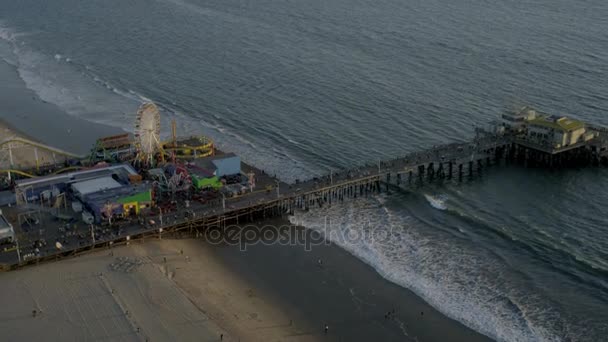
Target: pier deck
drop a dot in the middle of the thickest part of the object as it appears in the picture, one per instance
(450, 161)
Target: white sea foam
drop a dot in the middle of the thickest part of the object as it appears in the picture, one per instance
(7, 39)
(6, 34)
(436, 202)
(473, 288)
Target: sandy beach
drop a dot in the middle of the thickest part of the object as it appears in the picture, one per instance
(124, 297)
(193, 290)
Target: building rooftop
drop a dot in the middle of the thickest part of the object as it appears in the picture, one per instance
(94, 185)
(524, 112)
(208, 166)
(125, 190)
(205, 166)
(559, 123)
(202, 168)
(115, 195)
(123, 170)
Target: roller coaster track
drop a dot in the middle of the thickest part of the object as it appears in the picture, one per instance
(29, 175)
(67, 169)
(16, 142)
(17, 172)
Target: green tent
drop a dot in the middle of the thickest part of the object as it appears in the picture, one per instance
(145, 196)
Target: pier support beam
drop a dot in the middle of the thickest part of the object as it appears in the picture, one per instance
(440, 171)
(450, 171)
(460, 172)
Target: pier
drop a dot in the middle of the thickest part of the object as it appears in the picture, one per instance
(453, 162)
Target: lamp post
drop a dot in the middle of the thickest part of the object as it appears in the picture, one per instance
(18, 250)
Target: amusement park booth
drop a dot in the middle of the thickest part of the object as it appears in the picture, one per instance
(205, 182)
(227, 165)
(125, 201)
(221, 165)
(132, 204)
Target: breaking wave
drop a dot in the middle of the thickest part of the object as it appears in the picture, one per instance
(471, 285)
(437, 202)
(60, 80)
(81, 91)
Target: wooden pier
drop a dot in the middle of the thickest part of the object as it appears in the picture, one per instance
(451, 162)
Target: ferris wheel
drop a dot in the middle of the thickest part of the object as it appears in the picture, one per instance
(147, 132)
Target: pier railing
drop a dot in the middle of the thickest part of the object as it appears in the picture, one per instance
(449, 161)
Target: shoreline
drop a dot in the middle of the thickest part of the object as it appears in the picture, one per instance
(24, 113)
(344, 292)
(347, 294)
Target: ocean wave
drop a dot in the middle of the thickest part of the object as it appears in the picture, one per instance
(7, 39)
(457, 281)
(81, 91)
(541, 246)
(6, 34)
(57, 79)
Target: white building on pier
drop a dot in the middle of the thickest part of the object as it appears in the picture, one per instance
(555, 132)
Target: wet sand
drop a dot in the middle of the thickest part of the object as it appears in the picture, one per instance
(19, 159)
(343, 292)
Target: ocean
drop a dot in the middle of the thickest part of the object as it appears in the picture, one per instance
(299, 88)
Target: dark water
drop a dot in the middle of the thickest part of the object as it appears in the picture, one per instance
(299, 87)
